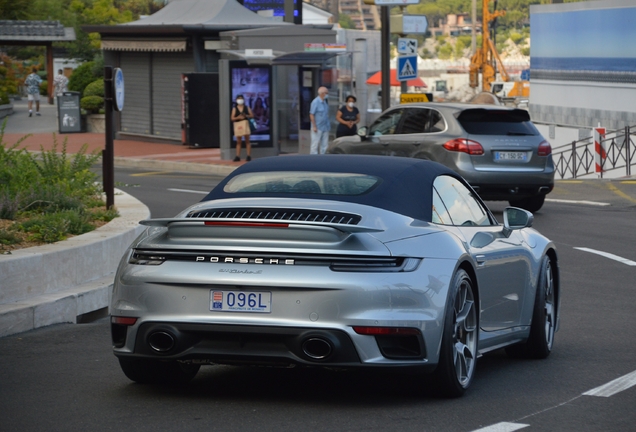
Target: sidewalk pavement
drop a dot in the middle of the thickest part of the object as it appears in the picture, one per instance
(42, 133)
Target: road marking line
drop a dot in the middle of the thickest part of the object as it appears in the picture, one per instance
(189, 191)
(149, 173)
(620, 193)
(578, 202)
(629, 182)
(502, 427)
(608, 255)
(613, 387)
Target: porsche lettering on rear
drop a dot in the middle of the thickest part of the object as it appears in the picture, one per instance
(244, 260)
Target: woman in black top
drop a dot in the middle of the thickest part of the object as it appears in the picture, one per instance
(347, 117)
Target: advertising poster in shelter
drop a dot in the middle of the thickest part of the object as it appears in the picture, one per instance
(254, 83)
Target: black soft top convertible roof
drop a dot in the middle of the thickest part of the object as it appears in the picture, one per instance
(406, 184)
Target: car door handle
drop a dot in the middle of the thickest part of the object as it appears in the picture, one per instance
(481, 259)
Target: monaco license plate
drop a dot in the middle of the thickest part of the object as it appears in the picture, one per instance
(511, 156)
(241, 301)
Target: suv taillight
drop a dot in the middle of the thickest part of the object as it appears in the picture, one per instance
(545, 149)
(464, 145)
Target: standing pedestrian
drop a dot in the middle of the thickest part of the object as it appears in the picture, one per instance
(240, 117)
(60, 82)
(347, 117)
(32, 83)
(320, 125)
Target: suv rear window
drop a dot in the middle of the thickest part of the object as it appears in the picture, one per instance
(481, 121)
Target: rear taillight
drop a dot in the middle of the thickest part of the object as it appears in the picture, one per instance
(464, 145)
(545, 149)
(127, 321)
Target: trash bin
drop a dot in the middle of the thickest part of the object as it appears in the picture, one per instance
(69, 117)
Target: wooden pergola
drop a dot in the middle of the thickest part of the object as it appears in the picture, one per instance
(37, 33)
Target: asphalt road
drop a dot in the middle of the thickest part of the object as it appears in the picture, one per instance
(65, 378)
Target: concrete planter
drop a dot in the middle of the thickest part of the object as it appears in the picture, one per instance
(56, 283)
(96, 123)
(6, 110)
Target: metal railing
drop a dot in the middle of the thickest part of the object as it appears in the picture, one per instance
(578, 158)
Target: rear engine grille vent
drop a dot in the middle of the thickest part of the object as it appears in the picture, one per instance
(279, 214)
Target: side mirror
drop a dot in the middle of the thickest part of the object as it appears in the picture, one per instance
(362, 132)
(516, 218)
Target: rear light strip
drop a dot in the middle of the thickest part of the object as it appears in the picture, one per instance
(350, 264)
(248, 224)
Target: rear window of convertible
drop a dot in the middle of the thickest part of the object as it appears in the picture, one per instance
(296, 182)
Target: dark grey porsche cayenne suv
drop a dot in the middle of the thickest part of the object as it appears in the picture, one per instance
(496, 149)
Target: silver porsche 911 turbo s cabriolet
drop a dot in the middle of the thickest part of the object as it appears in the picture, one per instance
(335, 261)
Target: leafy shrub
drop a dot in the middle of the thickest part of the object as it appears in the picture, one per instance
(50, 194)
(48, 229)
(105, 215)
(81, 77)
(92, 104)
(96, 88)
(8, 238)
(44, 88)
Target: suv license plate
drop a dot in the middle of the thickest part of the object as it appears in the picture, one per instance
(511, 156)
(241, 301)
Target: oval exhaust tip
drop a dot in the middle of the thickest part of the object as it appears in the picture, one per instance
(161, 341)
(317, 348)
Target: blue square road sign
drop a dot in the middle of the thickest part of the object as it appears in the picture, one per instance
(406, 68)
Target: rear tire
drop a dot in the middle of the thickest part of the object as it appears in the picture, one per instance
(532, 204)
(544, 318)
(458, 355)
(144, 371)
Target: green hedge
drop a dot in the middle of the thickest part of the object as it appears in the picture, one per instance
(92, 104)
(81, 77)
(96, 88)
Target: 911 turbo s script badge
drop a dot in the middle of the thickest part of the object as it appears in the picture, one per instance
(244, 260)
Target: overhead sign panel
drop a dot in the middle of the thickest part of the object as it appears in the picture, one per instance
(409, 24)
(326, 47)
(407, 68)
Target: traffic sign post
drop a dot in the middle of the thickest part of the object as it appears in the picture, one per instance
(113, 100)
(407, 68)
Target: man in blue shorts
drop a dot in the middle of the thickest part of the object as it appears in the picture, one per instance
(32, 84)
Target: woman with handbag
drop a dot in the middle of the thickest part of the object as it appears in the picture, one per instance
(241, 114)
(347, 117)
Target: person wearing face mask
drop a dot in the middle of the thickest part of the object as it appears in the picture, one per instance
(320, 125)
(240, 115)
(347, 117)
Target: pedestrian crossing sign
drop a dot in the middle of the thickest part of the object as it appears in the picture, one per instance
(407, 68)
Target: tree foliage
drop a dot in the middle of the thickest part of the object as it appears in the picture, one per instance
(76, 13)
(346, 22)
(517, 11)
